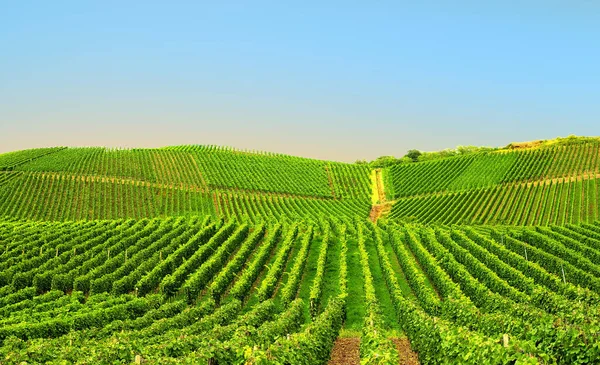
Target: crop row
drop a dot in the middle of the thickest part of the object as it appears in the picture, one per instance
(200, 290)
(490, 169)
(555, 202)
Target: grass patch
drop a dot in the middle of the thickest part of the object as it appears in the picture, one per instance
(355, 306)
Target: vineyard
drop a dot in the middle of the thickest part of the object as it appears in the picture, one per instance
(96, 183)
(211, 255)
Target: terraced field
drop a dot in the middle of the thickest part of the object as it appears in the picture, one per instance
(208, 255)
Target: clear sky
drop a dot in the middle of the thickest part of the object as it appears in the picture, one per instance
(338, 80)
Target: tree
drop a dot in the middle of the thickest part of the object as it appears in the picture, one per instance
(413, 155)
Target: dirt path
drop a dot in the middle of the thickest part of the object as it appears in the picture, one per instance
(380, 205)
(407, 355)
(375, 212)
(345, 352)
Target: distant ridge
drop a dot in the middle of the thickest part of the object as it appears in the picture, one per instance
(524, 183)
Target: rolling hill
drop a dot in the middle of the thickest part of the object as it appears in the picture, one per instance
(212, 255)
(97, 183)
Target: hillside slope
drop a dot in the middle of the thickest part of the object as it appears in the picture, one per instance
(188, 290)
(551, 184)
(202, 254)
(557, 184)
(98, 183)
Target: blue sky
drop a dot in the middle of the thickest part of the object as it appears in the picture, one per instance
(342, 80)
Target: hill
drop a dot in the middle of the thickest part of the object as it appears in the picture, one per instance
(211, 255)
(549, 183)
(98, 183)
(540, 186)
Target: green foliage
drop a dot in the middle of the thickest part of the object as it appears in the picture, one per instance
(375, 348)
(99, 183)
(247, 278)
(317, 286)
(537, 186)
(486, 289)
(11, 160)
(314, 344)
(265, 291)
(282, 262)
(289, 291)
(413, 155)
(387, 161)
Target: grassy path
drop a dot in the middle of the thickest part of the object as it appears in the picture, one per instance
(383, 295)
(355, 312)
(404, 286)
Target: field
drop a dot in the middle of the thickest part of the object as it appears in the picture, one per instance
(211, 255)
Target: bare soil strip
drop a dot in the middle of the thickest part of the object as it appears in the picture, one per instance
(345, 352)
(407, 355)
